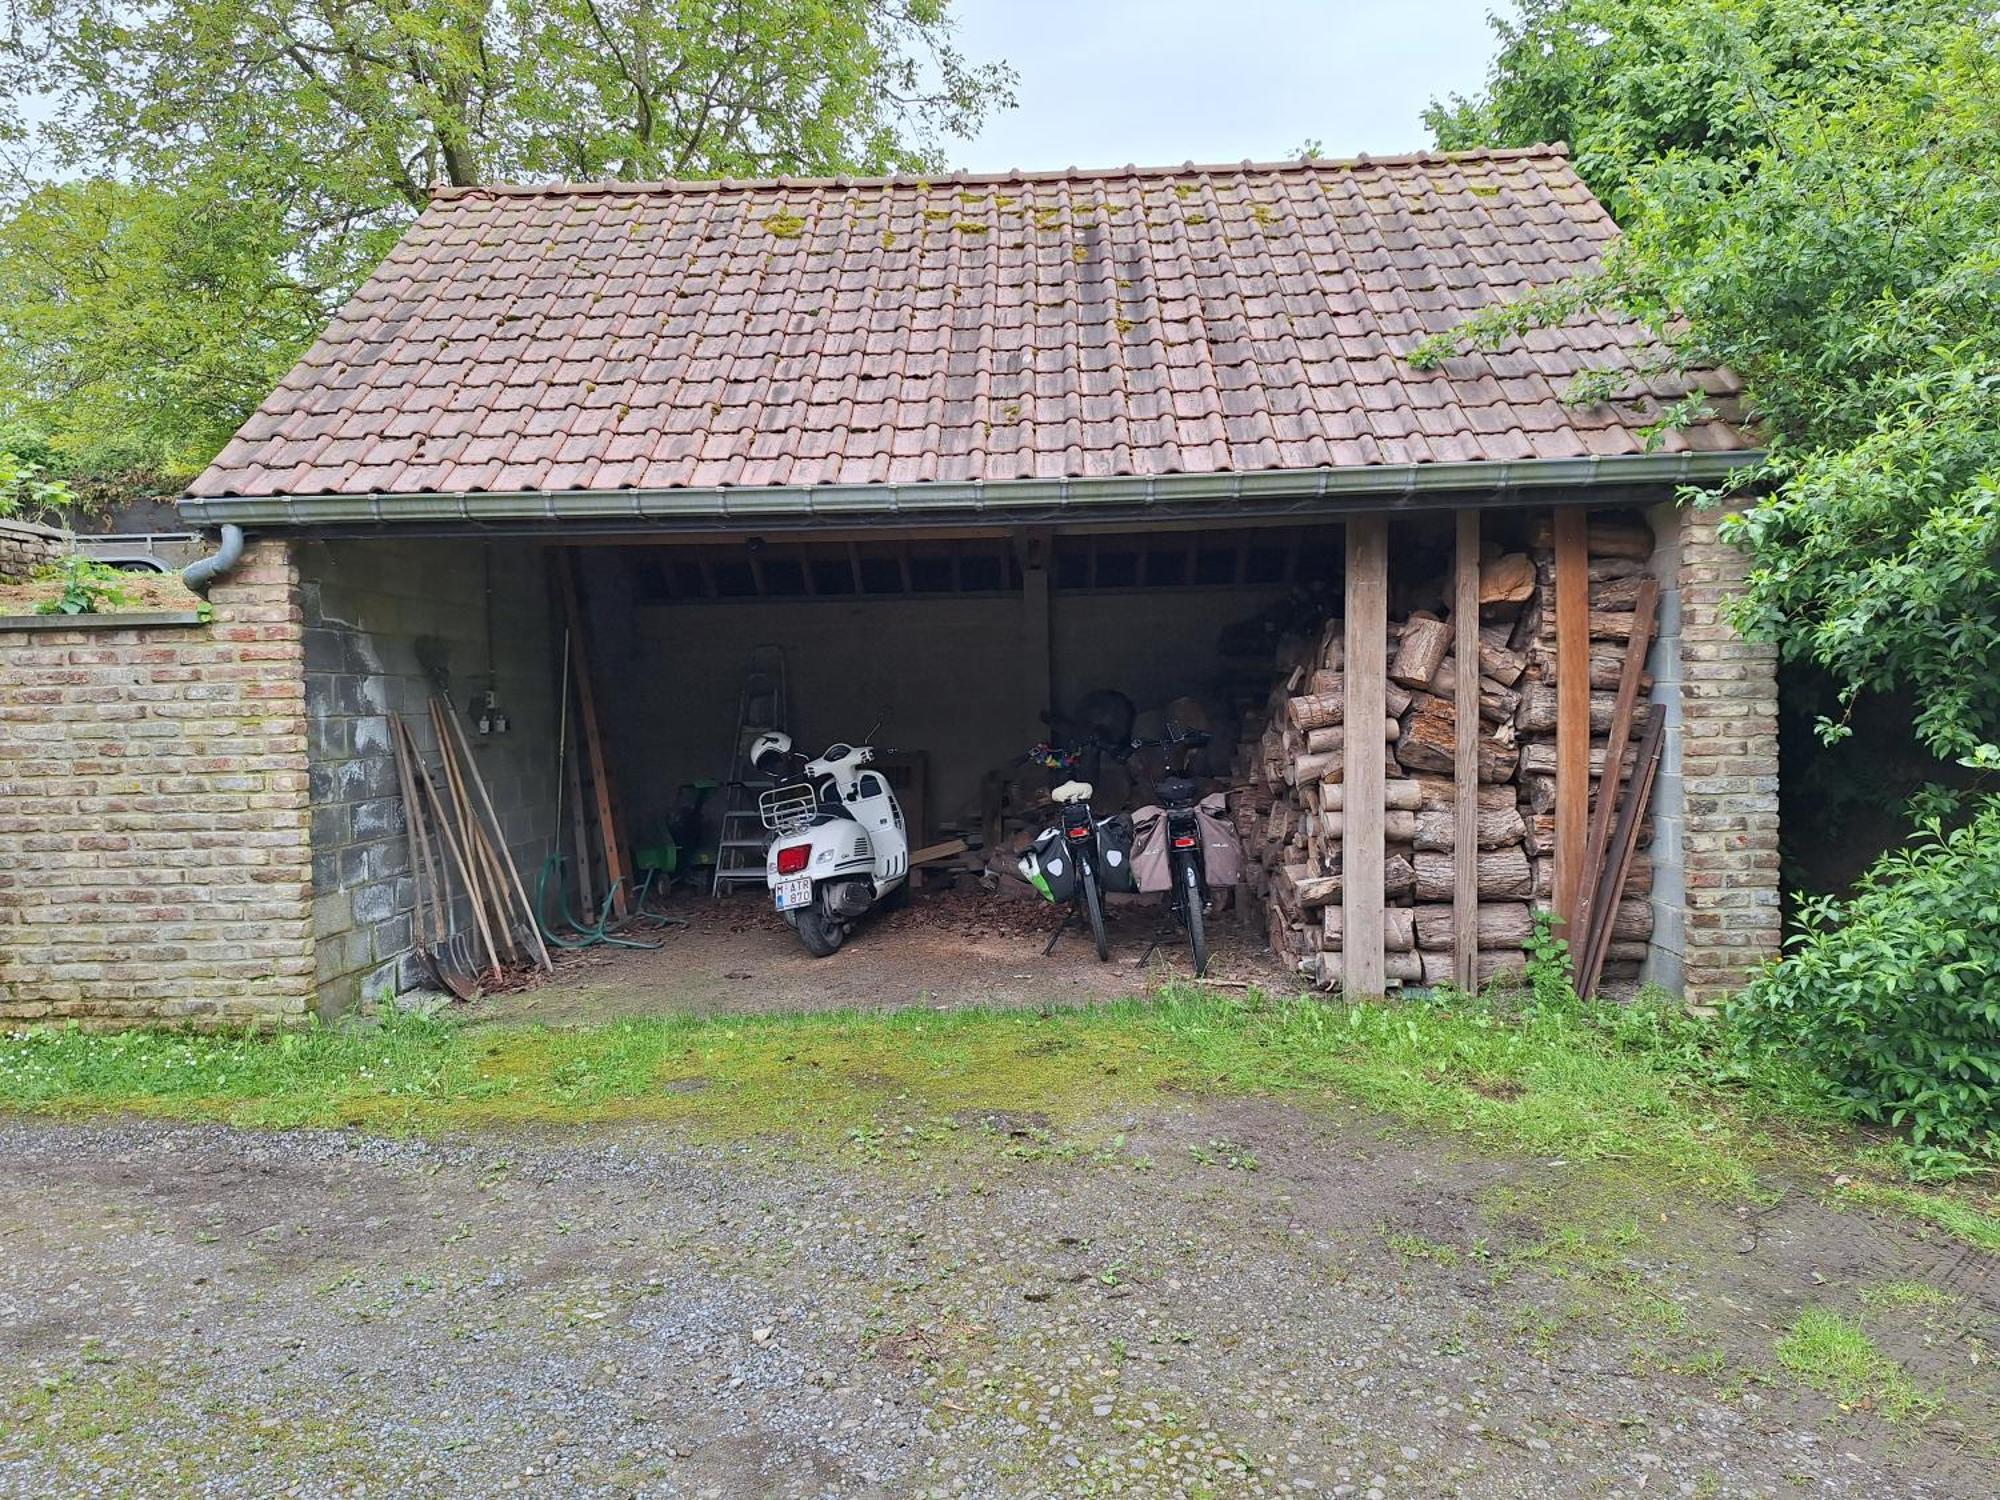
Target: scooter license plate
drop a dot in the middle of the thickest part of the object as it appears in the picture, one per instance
(794, 892)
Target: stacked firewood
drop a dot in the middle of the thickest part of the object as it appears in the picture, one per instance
(1291, 807)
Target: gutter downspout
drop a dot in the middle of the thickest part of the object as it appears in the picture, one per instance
(203, 571)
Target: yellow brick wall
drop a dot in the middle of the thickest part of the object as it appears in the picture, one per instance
(154, 834)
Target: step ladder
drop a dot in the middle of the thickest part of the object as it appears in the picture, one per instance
(739, 855)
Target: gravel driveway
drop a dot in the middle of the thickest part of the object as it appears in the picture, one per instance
(1224, 1299)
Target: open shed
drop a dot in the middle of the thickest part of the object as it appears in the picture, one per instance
(959, 452)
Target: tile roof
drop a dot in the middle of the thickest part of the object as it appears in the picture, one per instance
(977, 328)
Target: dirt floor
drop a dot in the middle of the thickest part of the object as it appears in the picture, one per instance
(946, 948)
(1215, 1299)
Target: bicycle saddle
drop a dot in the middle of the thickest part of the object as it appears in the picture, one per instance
(1073, 791)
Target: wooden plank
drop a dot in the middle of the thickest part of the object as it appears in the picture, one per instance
(936, 852)
(1624, 840)
(615, 868)
(1622, 707)
(1036, 649)
(1572, 710)
(1366, 636)
(572, 768)
(1465, 761)
(448, 714)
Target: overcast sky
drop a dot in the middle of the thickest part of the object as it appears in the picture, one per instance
(1160, 82)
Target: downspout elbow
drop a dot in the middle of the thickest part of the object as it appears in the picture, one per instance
(203, 571)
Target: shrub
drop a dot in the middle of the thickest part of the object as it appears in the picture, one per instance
(1894, 993)
(24, 490)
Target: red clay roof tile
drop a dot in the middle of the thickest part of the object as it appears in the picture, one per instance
(1143, 322)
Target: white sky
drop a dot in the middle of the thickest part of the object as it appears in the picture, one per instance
(1159, 82)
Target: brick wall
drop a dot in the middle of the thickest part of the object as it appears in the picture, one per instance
(26, 547)
(1728, 772)
(153, 814)
(1666, 951)
(383, 618)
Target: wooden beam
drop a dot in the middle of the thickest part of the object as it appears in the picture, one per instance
(1594, 846)
(1366, 636)
(615, 869)
(1572, 710)
(1037, 650)
(1624, 842)
(1465, 758)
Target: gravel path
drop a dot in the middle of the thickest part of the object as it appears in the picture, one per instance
(1227, 1299)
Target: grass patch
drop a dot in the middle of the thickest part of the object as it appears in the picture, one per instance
(1958, 1218)
(1906, 1294)
(1551, 1083)
(1833, 1355)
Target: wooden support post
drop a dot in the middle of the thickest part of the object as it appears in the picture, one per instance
(1037, 662)
(1465, 760)
(1622, 706)
(593, 739)
(1572, 710)
(1366, 638)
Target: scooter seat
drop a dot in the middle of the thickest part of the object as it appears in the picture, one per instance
(1073, 791)
(1176, 791)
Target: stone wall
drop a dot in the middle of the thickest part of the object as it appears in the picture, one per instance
(384, 620)
(1727, 770)
(153, 814)
(26, 547)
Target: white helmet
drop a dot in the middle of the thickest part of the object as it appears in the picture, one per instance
(772, 746)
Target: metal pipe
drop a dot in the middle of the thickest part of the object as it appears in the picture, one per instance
(203, 571)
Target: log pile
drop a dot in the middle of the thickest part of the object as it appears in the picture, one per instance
(1291, 810)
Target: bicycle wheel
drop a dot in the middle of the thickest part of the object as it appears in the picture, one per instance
(1191, 909)
(1094, 904)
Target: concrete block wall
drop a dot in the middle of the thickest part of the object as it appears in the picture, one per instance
(381, 617)
(154, 862)
(1727, 772)
(26, 547)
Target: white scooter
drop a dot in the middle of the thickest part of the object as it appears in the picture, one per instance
(839, 848)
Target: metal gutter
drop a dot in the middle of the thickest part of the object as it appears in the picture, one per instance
(1373, 487)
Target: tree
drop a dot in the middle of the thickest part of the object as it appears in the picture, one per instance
(347, 112)
(139, 325)
(1808, 197)
(229, 170)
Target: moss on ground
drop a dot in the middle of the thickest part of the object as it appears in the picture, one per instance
(918, 1080)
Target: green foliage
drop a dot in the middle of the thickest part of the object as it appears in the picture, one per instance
(1894, 994)
(223, 173)
(26, 491)
(1627, 83)
(138, 326)
(1549, 966)
(87, 587)
(1807, 194)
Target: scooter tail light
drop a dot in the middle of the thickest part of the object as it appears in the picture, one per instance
(793, 858)
(1184, 841)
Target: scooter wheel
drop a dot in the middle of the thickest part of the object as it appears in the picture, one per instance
(821, 934)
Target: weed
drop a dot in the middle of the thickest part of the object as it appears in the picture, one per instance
(1906, 1294)
(1414, 1247)
(87, 587)
(1833, 1355)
